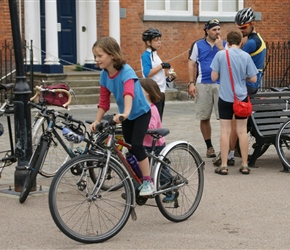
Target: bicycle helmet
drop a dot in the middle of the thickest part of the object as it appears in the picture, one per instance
(150, 34)
(244, 16)
(72, 136)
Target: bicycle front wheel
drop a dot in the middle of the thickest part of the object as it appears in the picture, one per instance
(34, 165)
(110, 178)
(282, 144)
(56, 152)
(85, 215)
(185, 168)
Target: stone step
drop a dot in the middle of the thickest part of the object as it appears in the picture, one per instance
(86, 88)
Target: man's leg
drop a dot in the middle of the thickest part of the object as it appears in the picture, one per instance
(205, 129)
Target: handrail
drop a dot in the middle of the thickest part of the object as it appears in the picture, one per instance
(10, 73)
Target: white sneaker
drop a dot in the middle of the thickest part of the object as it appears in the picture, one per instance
(147, 188)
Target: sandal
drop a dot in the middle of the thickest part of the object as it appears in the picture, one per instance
(245, 170)
(221, 170)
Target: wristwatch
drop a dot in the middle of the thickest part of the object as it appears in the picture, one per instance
(191, 83)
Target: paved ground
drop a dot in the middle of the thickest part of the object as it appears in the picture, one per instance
(236, 211)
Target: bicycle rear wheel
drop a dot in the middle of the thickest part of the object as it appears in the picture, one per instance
(185, 160)
(37, 160)
(81, 215)
(282, 144)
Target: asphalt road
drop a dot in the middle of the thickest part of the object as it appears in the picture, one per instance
(236, 211)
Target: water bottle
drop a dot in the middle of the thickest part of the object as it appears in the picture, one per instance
(72, 136)
(1, 129)
(134, 164)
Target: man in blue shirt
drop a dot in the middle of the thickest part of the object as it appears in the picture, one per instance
(200, 86)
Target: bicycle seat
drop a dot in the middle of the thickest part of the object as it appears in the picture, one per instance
(159, 132)
(6, 86)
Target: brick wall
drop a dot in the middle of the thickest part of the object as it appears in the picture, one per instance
(177, 36)
(5, 26)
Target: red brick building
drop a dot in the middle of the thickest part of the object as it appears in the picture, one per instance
(181, 22)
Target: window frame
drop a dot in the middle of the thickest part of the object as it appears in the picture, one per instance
(220, 13)
(168, 12)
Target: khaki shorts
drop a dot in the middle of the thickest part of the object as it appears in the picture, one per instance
(207, 99)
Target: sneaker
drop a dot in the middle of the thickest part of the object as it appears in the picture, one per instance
(147, 188)
(218, 160)
(231, 162)
(168, 198)
(210, 153)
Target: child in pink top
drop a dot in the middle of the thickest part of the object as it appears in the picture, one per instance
(153, 94)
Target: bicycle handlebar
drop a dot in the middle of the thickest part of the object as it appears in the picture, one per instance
(40, 89)
(64, 116)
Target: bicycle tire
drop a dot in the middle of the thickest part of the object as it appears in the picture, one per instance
(34, 165)
(56, 153)
(81, 217)
(186, 161)
(110, 178)
(282, 144)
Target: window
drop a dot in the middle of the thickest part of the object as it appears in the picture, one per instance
(220, 7)
(168, 7)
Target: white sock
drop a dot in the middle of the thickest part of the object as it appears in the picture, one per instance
(231, 154)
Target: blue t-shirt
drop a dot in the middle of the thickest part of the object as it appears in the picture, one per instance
(203, 54)
(140, 104)
(242, 66)
(256, 47)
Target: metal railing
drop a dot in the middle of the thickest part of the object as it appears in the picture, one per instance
(277, 73)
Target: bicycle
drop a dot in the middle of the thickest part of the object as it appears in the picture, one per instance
(50, 136)
(7, 110)
(282, 144)
(87, 213)
(56, 154)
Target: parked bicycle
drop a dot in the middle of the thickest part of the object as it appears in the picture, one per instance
(49, 137)
(86, 212)
(56, 153)
(7, 109)
(52, 124)
(282, 144)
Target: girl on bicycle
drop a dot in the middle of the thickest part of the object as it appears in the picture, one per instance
(119, 78)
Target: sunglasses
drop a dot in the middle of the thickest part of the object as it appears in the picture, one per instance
(244, 26)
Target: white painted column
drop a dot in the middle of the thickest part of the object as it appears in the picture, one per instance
(91, 16)
(51, 35)
(86, 25)
(32, 30)
(114, 19)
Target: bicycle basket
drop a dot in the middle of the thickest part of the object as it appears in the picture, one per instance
(55, 98)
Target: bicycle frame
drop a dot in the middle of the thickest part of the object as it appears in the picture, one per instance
(156, 162)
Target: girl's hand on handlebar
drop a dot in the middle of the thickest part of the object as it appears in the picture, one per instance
(118, 118)
(93, 126)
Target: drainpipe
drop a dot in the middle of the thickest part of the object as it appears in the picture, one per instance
(22, 115)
